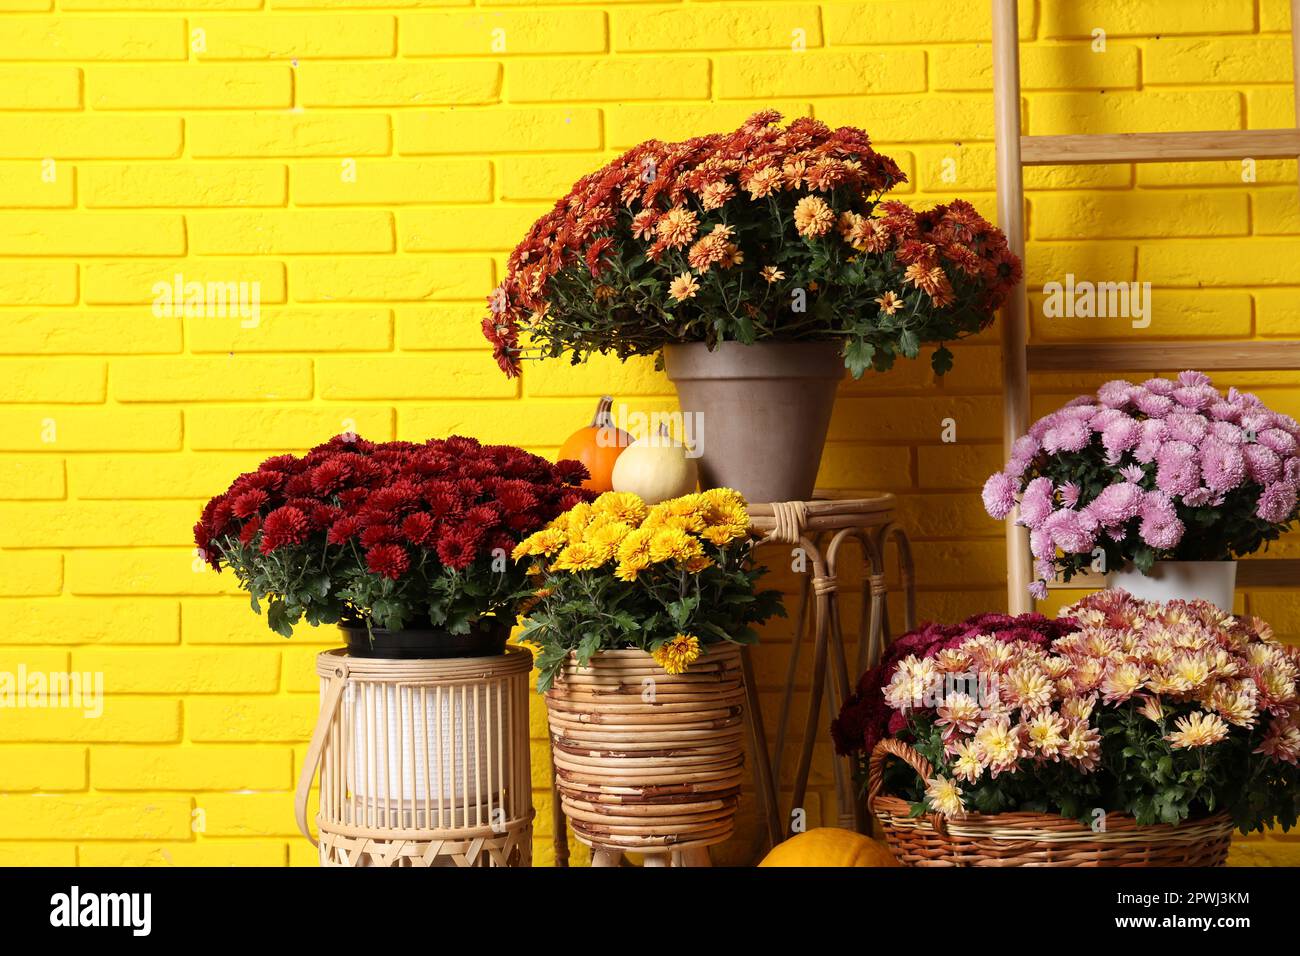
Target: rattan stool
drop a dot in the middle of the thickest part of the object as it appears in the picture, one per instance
(421, 762)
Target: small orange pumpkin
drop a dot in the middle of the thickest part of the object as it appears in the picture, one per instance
(597, 446)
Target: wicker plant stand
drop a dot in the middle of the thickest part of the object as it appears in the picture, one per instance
(1033, 839)
(645, 761)
(421, 762)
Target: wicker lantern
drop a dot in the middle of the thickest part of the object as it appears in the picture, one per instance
(422, 762)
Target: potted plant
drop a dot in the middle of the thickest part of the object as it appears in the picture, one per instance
(637, 619)
(404, 546)
(1127, 732)
(1161, 485)
(760, 263)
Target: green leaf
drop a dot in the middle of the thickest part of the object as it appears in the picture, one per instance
(941, 360)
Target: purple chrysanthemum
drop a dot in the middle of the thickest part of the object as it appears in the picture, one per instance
(1119, 436)
(1277, 503)
(1184, 426)
(1222, 465)
(1116, 394)
(1263, 465)
(999, 494)
(1279, 441)
(1036, 502)
(1074, 532)
(1116, 504)
(1069, 492)
(1153, 405)
(1177, 472)
(1067, 435)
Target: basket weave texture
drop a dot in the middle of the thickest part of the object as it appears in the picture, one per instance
(644, 760)
(1033, 839)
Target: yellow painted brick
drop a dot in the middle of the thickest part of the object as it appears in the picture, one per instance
(468, 375)
(35, 283)
(288, 134)
(24, 186)
(450, 326)
(136, 281)
(248, 814)
(1070, 18)
(1139, 214)
(124, 720)
(101, 234)
(1199, 60)
(63, 428)
(27, 5)
(1050, 261)
(216, 428)
(970, 167)
(188, 86)
(188, 671)
(391, 182)
(28, 574)
(398, 83)
(37, 854)
(502, 32)
(598, 375)
(722, 26)
(588, 79)
(88, 136)
(961, 564)
(133, 185)
(542, 177)
(390, 280)
(160, 4)
(298, 38)
(96, 524)
(495, 228)
(815, 73)
(97, 621)
(38, 816)
(93, 38)
(31, 478)
(1152, 111)
(910, 119)
(199, 853)
(1276, 212)
(189, 768)
(1229, 173)
(1237, 263)
(956, 465)
(24, 768)
(41, 380)
(1173, 314)
(40, 88)
(232, 621)
(262, 719)
(915, 21)
(630, 124)
(363, 4)
(1270, 107)
(500, 422)
(88, 333)
(228, 378)
(858, 467)
(295, 330)
(290, 231)
(1041, 68)
(1278, 312)
(32, 660)
(446, 131)
(916, 418)
(144, 571)
(1274, 15)
(298, 668)
(942, 516)
(189, 475)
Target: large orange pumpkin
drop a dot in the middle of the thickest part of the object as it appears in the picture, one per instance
(830, 846)
(597, 446)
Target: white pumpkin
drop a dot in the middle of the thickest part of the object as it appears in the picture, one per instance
(656, 467)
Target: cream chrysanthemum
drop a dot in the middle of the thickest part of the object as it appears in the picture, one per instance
(1197, 729)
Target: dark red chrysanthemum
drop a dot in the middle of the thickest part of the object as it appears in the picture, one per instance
(284, 525)
(249, 532)
(329, 476)
(458, 548)
(418, 528)
(388, 560)
(377, 534)
(249, 503)
(343, 531)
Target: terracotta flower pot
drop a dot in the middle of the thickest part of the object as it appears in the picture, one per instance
(647, 761)
(764, 411)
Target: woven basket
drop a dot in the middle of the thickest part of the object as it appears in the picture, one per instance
(1033, 839)
(647, 761)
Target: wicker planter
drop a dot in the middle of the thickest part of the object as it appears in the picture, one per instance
(649, 767)
(422, 762)
(1033, 839)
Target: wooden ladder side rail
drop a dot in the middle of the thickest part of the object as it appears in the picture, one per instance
(1014, 152)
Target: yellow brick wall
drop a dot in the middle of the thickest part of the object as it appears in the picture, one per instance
(142, 138)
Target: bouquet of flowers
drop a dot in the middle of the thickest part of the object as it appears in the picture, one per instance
(1165, 470)
(762, 233)
(669, 579)
(388, 534)
(1162, 711)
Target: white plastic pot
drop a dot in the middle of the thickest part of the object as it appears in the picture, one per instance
(1212, 581)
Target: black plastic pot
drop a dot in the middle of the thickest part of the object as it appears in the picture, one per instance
(425, 643)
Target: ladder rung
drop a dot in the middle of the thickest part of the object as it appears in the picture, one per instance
(1080, 150)
(1251, 573)
(1251, 355)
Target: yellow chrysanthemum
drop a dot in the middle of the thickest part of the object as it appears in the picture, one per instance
(621, 506)
(944, 796)
(604, 536)
(576, 519)
(633, 554)
(577, 556)
(545, 542)
(676, 655)
(1197, 729)
(697, 564)
(673, 544)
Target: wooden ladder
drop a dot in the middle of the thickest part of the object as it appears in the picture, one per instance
(1014, 152)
